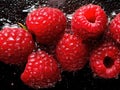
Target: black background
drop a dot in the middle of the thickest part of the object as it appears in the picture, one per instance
(83, 79)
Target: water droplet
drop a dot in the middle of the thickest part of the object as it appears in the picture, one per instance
(30, 8)
(114, 13)
(12, 84)
(117, 77)
(69, 16)
(94, 75)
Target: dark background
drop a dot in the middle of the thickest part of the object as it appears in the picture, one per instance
(11, 11)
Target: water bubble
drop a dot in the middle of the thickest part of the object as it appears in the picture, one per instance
(6, 25)
(14, 26)
(109, 19)
(31, 8)
(5, 20)
(44, 5)
(12, 84)
(69, 16)
(94, 75)
(114, 13)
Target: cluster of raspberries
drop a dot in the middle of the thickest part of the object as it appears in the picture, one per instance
(48, 46)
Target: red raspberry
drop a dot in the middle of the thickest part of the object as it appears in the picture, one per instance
(71, 53)
(89, 21)
(15, 45)
(115, 28)
(46, 23)
(41, 71)
(105, 61)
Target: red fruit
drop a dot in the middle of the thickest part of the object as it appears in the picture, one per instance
(89, 21)
(41, 71)
(115, 28)
(15, 45)
(105, 61)
(71, 53)
(46, 23)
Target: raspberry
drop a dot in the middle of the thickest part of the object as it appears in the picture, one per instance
(46, 24)
(105, 61)
(71, 53)
(41, 71)
(89, 21)
(114, 28)
(15, 45)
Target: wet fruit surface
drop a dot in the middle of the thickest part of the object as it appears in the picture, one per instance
(13, 11)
